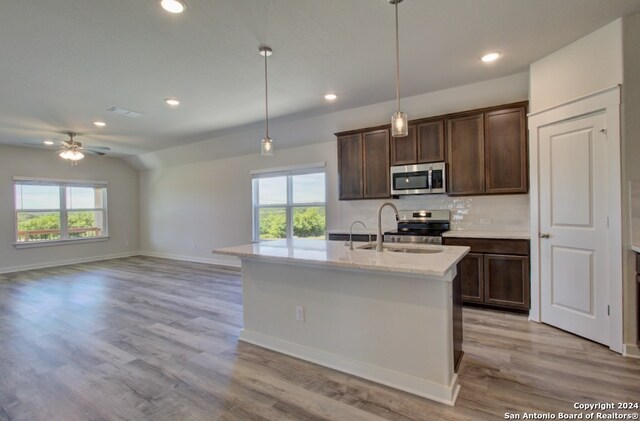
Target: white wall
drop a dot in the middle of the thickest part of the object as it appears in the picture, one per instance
(601, 60)
(630, 167)
(123, 211)
(189, 209)
(588, 65)
(306, 131)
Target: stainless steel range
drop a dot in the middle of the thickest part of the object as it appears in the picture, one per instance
(420, 226)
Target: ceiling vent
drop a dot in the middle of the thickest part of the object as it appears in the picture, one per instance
(126, 113)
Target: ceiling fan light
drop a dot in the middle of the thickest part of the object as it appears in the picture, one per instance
(267, 147)
(64, 154)
(75, 155)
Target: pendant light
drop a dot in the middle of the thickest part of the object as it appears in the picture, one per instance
(399, 124)
(267, 142)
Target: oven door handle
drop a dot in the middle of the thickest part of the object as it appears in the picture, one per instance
(430, 179)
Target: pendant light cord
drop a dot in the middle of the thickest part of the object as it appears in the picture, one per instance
(397, 57)
(266, 94)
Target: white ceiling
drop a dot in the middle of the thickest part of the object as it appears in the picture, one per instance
(63, 63)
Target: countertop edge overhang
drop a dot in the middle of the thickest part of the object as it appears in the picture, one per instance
(340, 257)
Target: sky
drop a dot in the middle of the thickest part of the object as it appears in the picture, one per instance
(307, 188)
(35, 197)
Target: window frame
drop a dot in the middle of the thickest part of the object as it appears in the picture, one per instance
(289, 173)
(63, 210)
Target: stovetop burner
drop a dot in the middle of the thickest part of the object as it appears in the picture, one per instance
(421, 226)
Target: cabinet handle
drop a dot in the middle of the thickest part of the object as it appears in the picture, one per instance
(545, 235)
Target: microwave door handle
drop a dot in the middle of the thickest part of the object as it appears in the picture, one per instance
(430, 180)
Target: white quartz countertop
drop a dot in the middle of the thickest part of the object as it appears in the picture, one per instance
(507, 235)
(336, 254)
(636, 248)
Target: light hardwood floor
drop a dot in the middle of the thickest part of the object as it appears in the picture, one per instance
(151, 339)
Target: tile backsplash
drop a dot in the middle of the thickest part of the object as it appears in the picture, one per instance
(635, 211)
(484, 213)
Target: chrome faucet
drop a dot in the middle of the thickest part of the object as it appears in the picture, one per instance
(379, 237)
(351, 233)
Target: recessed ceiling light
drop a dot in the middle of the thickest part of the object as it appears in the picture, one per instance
(48, 142)
(100, 123)
(173, 6)
(172, 101)
(330, 97)
(488, 58)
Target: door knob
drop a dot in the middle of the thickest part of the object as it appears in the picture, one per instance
(544, 235)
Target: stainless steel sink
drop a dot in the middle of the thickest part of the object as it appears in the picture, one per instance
(400, 249)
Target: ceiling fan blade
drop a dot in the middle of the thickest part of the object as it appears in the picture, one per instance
(90, 152)
(40, 144)
(98, 148)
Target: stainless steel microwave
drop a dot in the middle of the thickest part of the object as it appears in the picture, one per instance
(419, 179)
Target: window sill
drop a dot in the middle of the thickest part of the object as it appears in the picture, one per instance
(58, 242)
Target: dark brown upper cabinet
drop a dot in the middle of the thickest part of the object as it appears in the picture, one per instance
(465, 140)
(430, 141)
(487, 152)
(376, 164)
(425, 143)
(505, 151)
(404, 150)
(350, 166)
(363, 165)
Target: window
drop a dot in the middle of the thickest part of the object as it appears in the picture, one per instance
(289, 204)
(56, 211)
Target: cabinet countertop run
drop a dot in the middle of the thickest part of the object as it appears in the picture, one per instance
(636, 248)
(498, 235)
(334, 254)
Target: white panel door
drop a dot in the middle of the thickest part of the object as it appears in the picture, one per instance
(573, 226)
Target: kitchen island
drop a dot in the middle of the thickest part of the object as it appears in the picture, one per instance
(393, 317)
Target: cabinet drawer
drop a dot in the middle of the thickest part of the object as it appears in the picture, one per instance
(495, 246)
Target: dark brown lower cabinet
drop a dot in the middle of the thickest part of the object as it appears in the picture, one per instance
(472, 278)
(495, 273)
(506, 281)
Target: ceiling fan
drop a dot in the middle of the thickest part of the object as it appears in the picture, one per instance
(73, 150)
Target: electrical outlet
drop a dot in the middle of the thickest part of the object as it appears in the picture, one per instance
(299, 313)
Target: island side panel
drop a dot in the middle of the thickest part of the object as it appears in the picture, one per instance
(392, 329)
(457, 319)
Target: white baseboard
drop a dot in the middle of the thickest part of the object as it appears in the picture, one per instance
(42, 265)
(631, 350)
(415, 385)
(226, 261)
